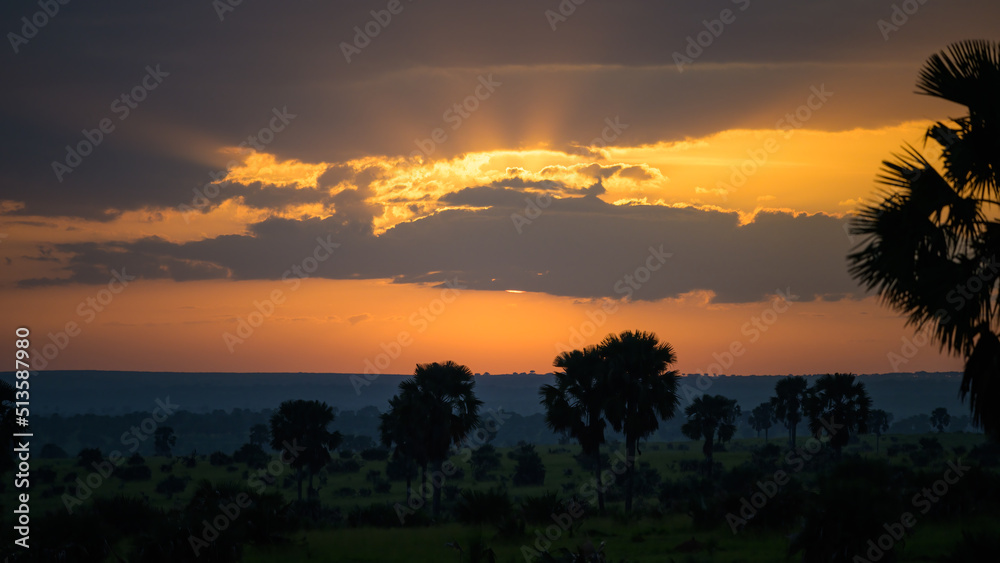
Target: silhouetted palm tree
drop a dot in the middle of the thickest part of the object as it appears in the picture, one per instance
(940, 418)
(762, 418)
(642, 390)
(710, 417)
(839, 406)
(303, 424)
(878, 423)
(575, 404)
(790, 392)
(930, 246)
(448, 410)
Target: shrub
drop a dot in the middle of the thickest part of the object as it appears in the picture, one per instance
(529, 469)
(219, 458)
(171, 485)
(375, 454)
(134, 473)
(52, 451)
(484, 507)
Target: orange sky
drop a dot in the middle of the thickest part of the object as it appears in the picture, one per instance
(542, 174)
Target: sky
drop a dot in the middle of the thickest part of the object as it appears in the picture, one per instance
(356, 186)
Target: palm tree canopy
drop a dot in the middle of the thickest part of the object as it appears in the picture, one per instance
(790, 392)
(305, 424)
(839, 399)
(711, 416)
(762, 416)
(929, 247)
(642, 388)
(575, 403)
(444, 403)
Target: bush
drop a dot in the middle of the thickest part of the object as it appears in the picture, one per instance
(219, 458)
(252, 455)
(483, 460)
(484, 507)
(529, 469)
(385, 516)
(375, 454)
(171, 485)
(134, 473)
(88, 457)
(46, 475)
(52, 451)
(344, 466)
(539, 510)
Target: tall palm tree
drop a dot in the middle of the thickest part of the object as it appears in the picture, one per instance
(929, 247)
(762, 418)
(710, 417)
(399, 427)
(641, 390)
(304, 424)
(447, 409)
(838, 405)
(575, 404)
(790, 392)
(878, 423)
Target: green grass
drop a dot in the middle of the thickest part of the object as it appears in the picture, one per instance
(641, 540)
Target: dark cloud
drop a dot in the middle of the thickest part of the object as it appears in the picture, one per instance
(582, 247)
(608, 59)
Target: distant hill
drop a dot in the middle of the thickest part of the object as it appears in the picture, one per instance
(115, 392)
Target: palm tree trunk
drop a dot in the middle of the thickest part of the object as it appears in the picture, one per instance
(630, 445)
(310, 489)
(298, 476)
(793, 429)
(437, 489)
(708, 450)
(600, 485)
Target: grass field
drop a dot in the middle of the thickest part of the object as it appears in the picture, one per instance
(648, 537)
